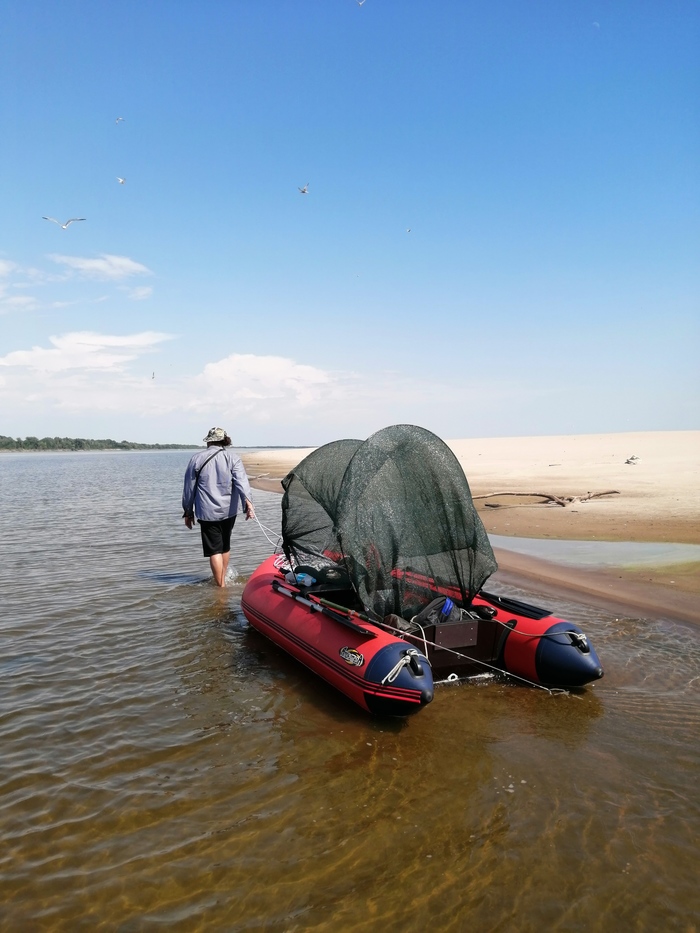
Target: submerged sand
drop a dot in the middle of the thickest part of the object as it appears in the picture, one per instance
(652, 481)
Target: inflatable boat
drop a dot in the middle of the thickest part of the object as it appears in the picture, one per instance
(379, 590)
(372, 666)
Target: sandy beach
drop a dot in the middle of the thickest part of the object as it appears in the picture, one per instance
(653, 485)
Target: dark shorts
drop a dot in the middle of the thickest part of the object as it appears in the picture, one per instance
(216, 536)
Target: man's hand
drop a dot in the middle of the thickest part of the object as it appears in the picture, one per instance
(189, 521)
(249, 510)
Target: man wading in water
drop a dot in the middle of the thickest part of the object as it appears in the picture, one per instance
(216, 490)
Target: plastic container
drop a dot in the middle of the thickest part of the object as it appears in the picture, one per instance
(305, 579)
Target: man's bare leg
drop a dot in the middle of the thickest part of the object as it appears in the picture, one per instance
(218, 568)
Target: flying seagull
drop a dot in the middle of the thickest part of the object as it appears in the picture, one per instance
(359, 2)
(66, 224)
(305, 189)
(121, 180)
(119, 120)
(408, 230)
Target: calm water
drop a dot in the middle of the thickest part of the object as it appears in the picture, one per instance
(165, 767)
(631, 554)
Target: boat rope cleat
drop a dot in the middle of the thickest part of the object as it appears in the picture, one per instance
(410, 658)
(580, 641)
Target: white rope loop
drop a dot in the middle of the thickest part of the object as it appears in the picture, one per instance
(403, 661)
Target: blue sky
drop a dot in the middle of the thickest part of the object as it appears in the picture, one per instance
(543, 155)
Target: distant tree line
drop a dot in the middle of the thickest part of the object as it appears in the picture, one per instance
(81, 443)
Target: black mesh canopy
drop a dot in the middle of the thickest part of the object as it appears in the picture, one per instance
(398, 502)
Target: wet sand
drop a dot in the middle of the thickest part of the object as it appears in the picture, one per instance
(656, 498)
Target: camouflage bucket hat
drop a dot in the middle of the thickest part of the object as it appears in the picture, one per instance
(215, 434)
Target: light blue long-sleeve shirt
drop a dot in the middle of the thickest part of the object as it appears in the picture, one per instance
(222, 488)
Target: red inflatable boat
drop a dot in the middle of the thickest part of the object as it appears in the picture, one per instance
(373, 667)
(389, 667)
(380, 587)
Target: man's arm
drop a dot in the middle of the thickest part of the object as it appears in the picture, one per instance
(240, 482)
(188, 495)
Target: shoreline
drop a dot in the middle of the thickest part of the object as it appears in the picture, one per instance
(656, 499)
(610, 588)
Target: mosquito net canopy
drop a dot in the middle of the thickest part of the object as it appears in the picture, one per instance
(387, 509)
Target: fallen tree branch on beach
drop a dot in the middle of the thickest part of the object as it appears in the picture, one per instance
(563, 501)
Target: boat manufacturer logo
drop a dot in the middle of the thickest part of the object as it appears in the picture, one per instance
(352, 656)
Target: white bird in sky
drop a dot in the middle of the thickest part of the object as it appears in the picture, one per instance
(66, 224)
(121, 180)
(305, 189)
(119, 120)
(408, 229)
(359, 2)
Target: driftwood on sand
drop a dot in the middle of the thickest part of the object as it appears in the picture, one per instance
(548, 497)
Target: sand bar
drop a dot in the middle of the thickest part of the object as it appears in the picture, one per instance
(657, 499)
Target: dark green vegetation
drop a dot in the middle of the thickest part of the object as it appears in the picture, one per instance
(81, 443)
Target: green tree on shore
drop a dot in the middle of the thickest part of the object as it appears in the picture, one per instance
(81, 443)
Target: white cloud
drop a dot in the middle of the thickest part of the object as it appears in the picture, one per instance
(83, 351)
(140, 293)
(244, 377)
(10, 303)
(96, 375)
(84, 372)
(87, 371)
(33, 275)
(106, 267)
(269, 390)
(16, 279)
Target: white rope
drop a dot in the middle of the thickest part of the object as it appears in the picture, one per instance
(578, 636)
(264, 529)
(425, 640)
(551, 690)
(403, 661)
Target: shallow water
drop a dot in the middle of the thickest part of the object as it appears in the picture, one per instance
(164, 765)
(601, 553)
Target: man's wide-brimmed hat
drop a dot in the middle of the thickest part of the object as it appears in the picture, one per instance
(215, 434)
